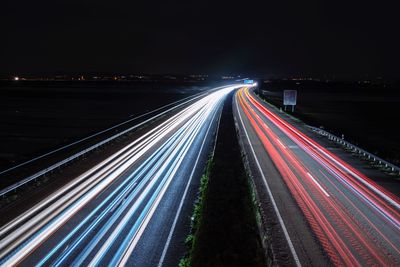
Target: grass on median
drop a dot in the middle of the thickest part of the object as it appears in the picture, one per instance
(225, 231)
(197, 212)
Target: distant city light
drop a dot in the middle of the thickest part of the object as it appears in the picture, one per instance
(16, 78)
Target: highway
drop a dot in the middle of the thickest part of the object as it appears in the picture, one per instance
(125, 210)
(326, 211)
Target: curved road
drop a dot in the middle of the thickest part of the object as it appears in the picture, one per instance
(125, 210)
(328, 212)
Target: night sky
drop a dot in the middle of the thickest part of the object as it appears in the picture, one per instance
(267, 38)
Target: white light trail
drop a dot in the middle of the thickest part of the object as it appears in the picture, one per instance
(170, 142)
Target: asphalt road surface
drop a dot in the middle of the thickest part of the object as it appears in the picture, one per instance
(125, 210)
(327, 211)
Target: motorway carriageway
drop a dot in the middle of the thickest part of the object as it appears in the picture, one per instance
(124, 210)
(355, 220)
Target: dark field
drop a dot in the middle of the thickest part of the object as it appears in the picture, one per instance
(367, 114)
(37, 117)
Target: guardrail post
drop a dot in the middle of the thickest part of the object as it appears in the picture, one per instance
(356, 149)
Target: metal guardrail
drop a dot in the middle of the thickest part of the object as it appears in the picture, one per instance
(99, 133)
(356, 149)
(30, 178)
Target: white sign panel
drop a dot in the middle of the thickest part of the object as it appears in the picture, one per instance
(289, 97)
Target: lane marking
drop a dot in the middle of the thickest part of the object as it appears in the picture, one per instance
(184, 144)
(320, 187)
(84, 197)
(166, 246)
(89, 248)
(192, 137)
(343, 165)
(278, 214)
(279, 141)
(76, 155)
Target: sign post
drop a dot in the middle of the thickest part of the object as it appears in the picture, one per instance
(290, 98)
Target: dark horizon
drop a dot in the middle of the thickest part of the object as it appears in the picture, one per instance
(89, 76)
(268, 39)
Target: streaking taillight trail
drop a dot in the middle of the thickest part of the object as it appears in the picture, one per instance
(355, 220)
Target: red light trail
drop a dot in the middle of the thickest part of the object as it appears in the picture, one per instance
(356, 221)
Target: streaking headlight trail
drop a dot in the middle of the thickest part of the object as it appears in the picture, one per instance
(99, 217)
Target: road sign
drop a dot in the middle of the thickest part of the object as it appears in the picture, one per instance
(289, 97)
(247, 81)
